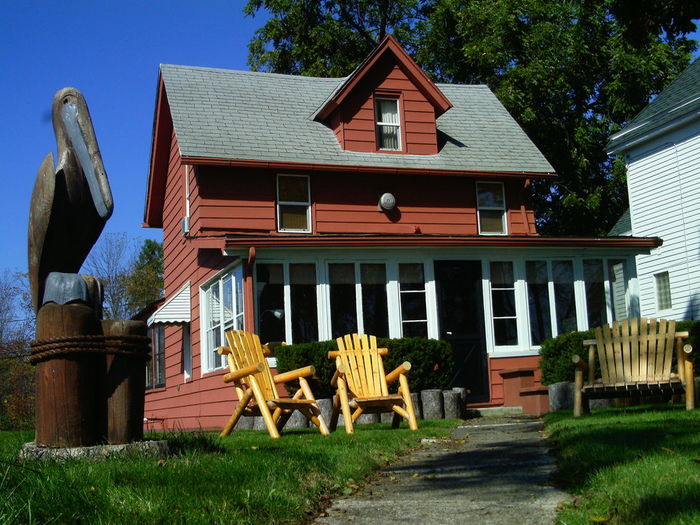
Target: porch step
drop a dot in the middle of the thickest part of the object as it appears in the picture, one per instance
(494, 411)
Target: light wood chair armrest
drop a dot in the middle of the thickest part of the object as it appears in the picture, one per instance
(683, 335)
(223, 350)
(579, 362)
(401, 369)
(590, 342)
(294, 374)
(239, 374)
(270, 346)
(339, 371)
(335, 353)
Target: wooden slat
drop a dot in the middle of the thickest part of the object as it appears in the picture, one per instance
(643, 348)
(651, 349)
(634, 344)
(668, 350)
(660, 350)
(626, 350)
(602, 357)
(609, 354)
(617, 352)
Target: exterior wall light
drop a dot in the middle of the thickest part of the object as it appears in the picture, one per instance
(387, 202)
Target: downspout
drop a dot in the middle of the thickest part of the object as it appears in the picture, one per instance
(185, 225)
(248, 292)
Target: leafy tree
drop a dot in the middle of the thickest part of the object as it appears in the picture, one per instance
(130, 280)
(571, 73)
(145, 281)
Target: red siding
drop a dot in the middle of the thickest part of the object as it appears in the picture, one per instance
(354, 125)
(228, 202)
(201, 402)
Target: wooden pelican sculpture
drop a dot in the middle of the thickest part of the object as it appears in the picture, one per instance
(71, 203)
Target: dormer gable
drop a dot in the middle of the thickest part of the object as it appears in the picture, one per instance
(386, 105)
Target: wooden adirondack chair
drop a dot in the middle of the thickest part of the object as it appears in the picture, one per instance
(635, 359)
(250, 374)
(362, 384)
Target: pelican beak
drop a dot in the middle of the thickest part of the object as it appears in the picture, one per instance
(78, 126)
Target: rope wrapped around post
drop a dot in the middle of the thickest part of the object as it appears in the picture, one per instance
(131, 345)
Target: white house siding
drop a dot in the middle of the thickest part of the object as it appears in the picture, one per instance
(663, 179)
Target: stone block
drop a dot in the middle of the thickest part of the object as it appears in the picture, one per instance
(561, 396)
(452, 404)
(432, 404)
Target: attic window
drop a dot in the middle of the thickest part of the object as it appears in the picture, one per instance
(293, 204)
(388, 124)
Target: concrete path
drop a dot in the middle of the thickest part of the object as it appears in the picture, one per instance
(492, 471)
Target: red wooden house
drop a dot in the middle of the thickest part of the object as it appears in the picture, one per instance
(305, 208)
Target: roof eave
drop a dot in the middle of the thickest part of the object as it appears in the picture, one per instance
(618, 144)
(155, 191)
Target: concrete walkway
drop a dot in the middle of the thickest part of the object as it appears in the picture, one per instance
(492, 471)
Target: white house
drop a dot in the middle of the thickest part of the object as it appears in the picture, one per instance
(661, 147)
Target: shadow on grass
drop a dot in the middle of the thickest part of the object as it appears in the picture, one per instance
(181, 443)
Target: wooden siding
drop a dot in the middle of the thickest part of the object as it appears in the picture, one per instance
(354, 122)
(202, 401)
(663, 178)
(228, 202)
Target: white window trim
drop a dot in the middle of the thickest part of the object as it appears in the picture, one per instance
(205, 353)
(378, 123)
(517, 298)
(294, 203)
(504, 208)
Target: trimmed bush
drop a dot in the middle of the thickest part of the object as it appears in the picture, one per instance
(432, 362)
(556, 352)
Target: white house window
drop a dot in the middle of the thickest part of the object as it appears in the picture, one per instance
(537, 277)
(596, 307)
(223, 310)
(269, 286)
(491, 204)
(358, 299)
(302, 299)
(663, 291)
(505, 325)
(155, 368)
(388, 124)
(618, 289)
(293, 204)
(414, 312)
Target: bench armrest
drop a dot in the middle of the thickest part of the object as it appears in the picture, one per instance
(401, 369)
(579, 362)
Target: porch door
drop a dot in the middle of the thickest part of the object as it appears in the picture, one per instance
(461, 319)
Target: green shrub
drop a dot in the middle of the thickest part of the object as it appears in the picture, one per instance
(432, 362)
(556, 352)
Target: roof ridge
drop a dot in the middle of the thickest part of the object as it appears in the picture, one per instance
(245, 71)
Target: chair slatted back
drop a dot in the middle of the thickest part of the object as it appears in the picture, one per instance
(364, 369)
(636, 350)
(246, 350)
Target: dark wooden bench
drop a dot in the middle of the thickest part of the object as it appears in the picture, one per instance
(635, 358)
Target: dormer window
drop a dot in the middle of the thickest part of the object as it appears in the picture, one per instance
(388, 124)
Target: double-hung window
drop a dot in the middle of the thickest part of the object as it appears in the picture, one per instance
(491, 204)
(293, 204)
(388, 124)
(412, 292)
(223, 310)
(155, 368)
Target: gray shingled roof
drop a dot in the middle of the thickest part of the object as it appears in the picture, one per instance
(680, 98)
(623, 226)
(229, 114)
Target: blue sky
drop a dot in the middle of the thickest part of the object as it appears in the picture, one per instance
(111, 52)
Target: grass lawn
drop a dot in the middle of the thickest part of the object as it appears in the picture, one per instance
(636, 465)
(244, 478)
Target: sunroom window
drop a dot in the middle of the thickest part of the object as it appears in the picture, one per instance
(505, 325)
(223, 310)
(293, 203)
(388, 124)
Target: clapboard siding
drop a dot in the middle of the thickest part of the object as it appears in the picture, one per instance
(664, 182)
(203, 401)
(349, 204)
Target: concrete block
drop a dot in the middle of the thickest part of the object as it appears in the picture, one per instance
(245, 423)
(417, 405)
(297, 420)
(326, 406)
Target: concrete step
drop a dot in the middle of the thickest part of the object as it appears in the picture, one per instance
(494, 411)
